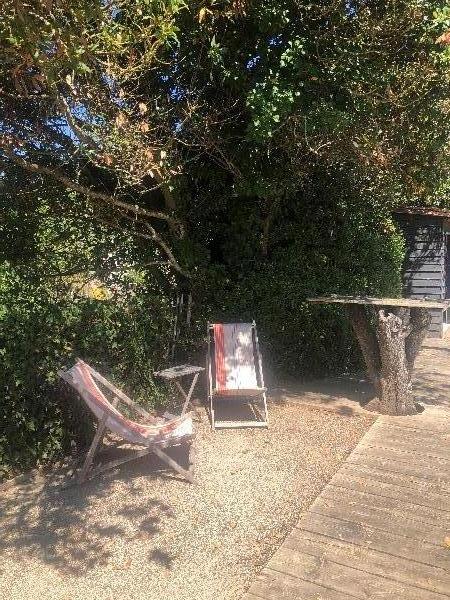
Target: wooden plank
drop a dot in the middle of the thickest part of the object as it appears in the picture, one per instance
(420, 267)
(420, 442)
(404, 302)
(421, 237)
(431, 244)
(424, 421)
(420, 433)
(406, 468)
(379, 518)
(435, 292)
(423, 280)
(402, 570)
(421, 214)
(425, 277)
(351, 580)
(430, 462)
(424, 255)
(438, 504)
(361, 498)
(237, 424)
(410, 448)
(274, 585)
(178, 371)
(401, 480)
(377, 539)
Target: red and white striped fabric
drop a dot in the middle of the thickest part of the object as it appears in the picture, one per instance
(131, 431)
(234, 359)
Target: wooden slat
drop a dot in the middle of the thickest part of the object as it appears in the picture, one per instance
(364, 535)
(435, 439)
(425, 421)
(345, 579)
(434, 291)
(405, 302)
(379, 529)
(274, 585)
(428, 462)
(226, 424)
(428, 578)
(406, 468)
(380, 518)
(420, 267)
(355, 480)
(410, 445)
(438, 520)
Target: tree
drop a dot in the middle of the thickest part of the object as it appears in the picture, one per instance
(70, 111)
(249, 144)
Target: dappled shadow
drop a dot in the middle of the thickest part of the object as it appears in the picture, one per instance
(342, 395)
(346, 395)
(431, 384)
(161, 557)
(74, 528)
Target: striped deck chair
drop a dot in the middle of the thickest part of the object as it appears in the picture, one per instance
(154, 434)
(234, 370)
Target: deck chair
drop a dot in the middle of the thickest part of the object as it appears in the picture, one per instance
(155, 434)
(234, 371)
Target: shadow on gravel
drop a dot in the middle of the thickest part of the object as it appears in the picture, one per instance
(54, 520)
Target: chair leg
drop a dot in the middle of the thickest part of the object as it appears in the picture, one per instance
(266, 412)
(166, 458)
(213, 422)
(187, 397)
(93, 448)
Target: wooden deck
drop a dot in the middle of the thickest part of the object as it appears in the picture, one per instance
(380, 529)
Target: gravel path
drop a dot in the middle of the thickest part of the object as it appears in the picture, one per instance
(138, 533)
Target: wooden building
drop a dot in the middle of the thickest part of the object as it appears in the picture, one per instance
(426, 270)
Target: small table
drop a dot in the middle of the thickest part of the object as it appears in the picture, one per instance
(175, 373)
(390, 332)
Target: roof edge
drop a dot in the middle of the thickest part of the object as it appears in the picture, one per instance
(427, 211)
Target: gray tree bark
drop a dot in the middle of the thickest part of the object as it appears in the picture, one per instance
(396, 396)
(367, 342)
(389, 349)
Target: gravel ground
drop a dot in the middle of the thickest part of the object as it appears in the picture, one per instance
(139, 533)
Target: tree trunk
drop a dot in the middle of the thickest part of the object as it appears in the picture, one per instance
(390, 351)
(395, 389)
(367, 341)
(420, 319)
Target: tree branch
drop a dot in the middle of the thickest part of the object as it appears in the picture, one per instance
(86, 191)
(81, 135)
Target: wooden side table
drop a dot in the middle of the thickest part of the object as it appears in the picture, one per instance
(390, 332)
(175, 373)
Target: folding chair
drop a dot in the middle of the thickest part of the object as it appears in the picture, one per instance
(154, 435)
(234, 371)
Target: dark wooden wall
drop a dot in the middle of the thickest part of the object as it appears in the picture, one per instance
(424, 266)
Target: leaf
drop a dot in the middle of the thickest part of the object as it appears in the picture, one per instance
(444, 38)
(142, 108)
(121, 120)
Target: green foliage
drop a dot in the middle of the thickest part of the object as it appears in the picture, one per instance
(280, 136)
(44, 330)
(49, 315)
(321, 242)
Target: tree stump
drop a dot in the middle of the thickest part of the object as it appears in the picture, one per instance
(390, 341)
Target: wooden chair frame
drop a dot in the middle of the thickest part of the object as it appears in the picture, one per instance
(86, 470)
(252, 394)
